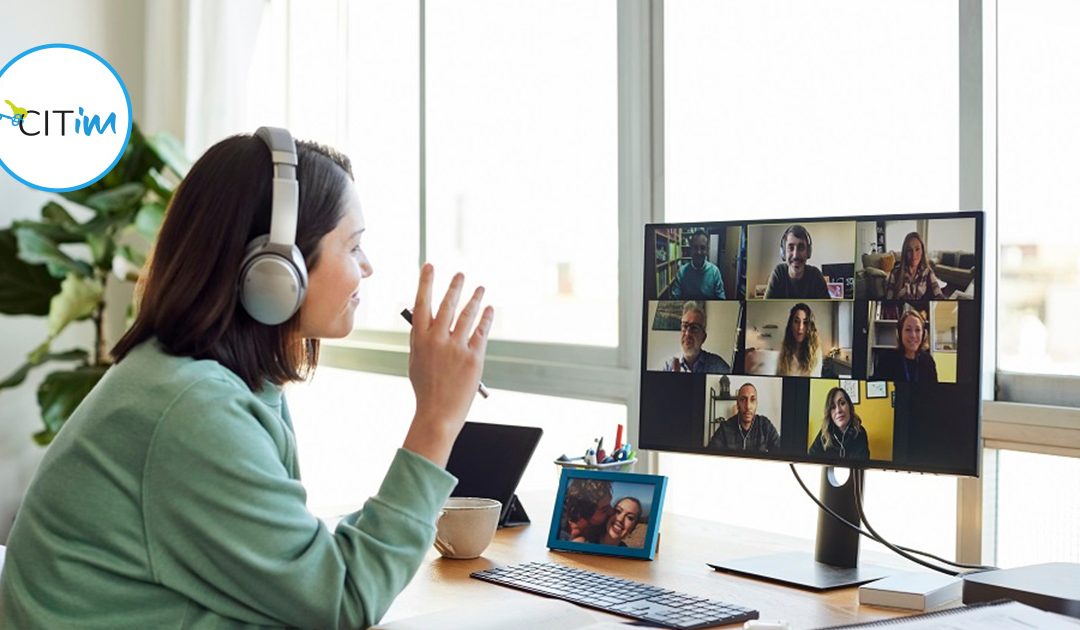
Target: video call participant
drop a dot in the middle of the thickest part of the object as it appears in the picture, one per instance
(621, 523)
(793, 278)
(746, 431)
(842, 434)
(694, 358)
(800, 352)
(698, 279)
(912, 279)
(911, 362)
(172, 496)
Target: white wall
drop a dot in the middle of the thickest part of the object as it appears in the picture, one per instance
(115, 30)
(895, 231)
(950, 235)
(721, 320)
(833, 242)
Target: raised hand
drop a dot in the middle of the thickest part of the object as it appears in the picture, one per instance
(446, 360)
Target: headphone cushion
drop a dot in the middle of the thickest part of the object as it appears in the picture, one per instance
(273, 281)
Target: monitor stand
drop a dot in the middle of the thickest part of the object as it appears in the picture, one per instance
(835, 563)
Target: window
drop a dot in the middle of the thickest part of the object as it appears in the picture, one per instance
(522, 161)
(1038, 97)
(1038, 507)
(783, 108)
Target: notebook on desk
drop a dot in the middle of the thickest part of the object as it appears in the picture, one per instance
(489, 461)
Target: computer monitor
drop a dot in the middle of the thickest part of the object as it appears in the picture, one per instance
(845, 341)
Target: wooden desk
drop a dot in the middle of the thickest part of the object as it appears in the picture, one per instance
(685, 546)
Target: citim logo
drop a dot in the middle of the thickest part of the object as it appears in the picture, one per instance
(66, 117)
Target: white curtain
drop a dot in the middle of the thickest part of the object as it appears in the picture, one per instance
(221, 46)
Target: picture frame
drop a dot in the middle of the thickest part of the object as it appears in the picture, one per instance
(668, 315)
(836, 290)
(852, 388)
(582, 522)
(877, 389)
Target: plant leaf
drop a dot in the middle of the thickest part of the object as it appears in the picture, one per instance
(170, 151)
(78, 299)
(57, 215)
(18, 376)
(25, 289)
(61, 392)
(116, 201)
(54, 233)
(149, 219)
(35, 248)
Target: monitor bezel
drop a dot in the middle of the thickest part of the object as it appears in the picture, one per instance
(970, 468)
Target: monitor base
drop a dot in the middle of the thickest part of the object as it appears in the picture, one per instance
(799, 569)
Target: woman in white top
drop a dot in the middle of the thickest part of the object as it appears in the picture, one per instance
(800, 354)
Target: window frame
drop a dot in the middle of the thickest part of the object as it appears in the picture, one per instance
(1034, 413)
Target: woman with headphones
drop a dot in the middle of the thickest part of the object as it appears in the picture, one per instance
(172, 496)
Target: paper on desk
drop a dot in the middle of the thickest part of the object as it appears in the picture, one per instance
(1005, 616)
(516, 613)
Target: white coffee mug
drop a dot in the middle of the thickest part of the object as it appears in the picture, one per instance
(466, 526)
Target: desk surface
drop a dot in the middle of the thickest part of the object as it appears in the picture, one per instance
(685, 546)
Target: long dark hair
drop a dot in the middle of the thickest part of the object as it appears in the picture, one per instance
(187, 296)
(799, 355)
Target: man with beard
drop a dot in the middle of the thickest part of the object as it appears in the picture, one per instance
(694, 359)
(746, 431)
(793, 278)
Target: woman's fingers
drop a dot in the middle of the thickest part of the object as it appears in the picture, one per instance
(468, 315)
(421, 317)
(445, 315)
(479, 338)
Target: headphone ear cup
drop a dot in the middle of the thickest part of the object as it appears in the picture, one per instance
(273, 281)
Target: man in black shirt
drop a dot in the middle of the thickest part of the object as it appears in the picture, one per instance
(746, 431)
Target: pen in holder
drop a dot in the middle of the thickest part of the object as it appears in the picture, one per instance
(620, 460)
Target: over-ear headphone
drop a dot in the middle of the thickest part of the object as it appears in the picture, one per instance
(800, 233)
(273, 276)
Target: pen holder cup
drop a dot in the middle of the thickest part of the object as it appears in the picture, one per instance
(622, 466)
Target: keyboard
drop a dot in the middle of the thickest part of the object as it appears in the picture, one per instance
(617, 595)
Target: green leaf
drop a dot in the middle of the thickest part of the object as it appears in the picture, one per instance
(149, 219)
(57, 215)
(25, 289)
(102, 247)
(161, 184)
(18, 376)
(35, 248)
(171, 152)
(78, 299)
(44, 437)
(117, 201)
(61, 392)
(54, 233)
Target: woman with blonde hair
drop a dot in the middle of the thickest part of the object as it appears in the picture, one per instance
(911, 362)
(842, 434)
(912, 278)
(800, 353)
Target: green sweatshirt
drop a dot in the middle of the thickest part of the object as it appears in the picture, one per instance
(172, 499)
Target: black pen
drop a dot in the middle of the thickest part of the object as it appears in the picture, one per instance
(407, 315)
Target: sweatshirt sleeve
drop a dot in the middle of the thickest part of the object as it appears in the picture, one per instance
(228, 527)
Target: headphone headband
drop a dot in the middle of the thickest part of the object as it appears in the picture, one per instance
(286, 189)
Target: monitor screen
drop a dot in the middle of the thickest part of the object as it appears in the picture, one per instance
(851, 341)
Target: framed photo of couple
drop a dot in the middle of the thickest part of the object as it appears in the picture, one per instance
(609, 513)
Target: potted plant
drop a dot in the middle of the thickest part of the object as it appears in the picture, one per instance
(57, 266)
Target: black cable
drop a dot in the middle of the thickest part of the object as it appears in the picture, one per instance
(871, 536)
(862, 515)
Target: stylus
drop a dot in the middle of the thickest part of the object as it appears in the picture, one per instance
(407, 315)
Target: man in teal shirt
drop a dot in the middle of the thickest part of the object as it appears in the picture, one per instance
(698, 279)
